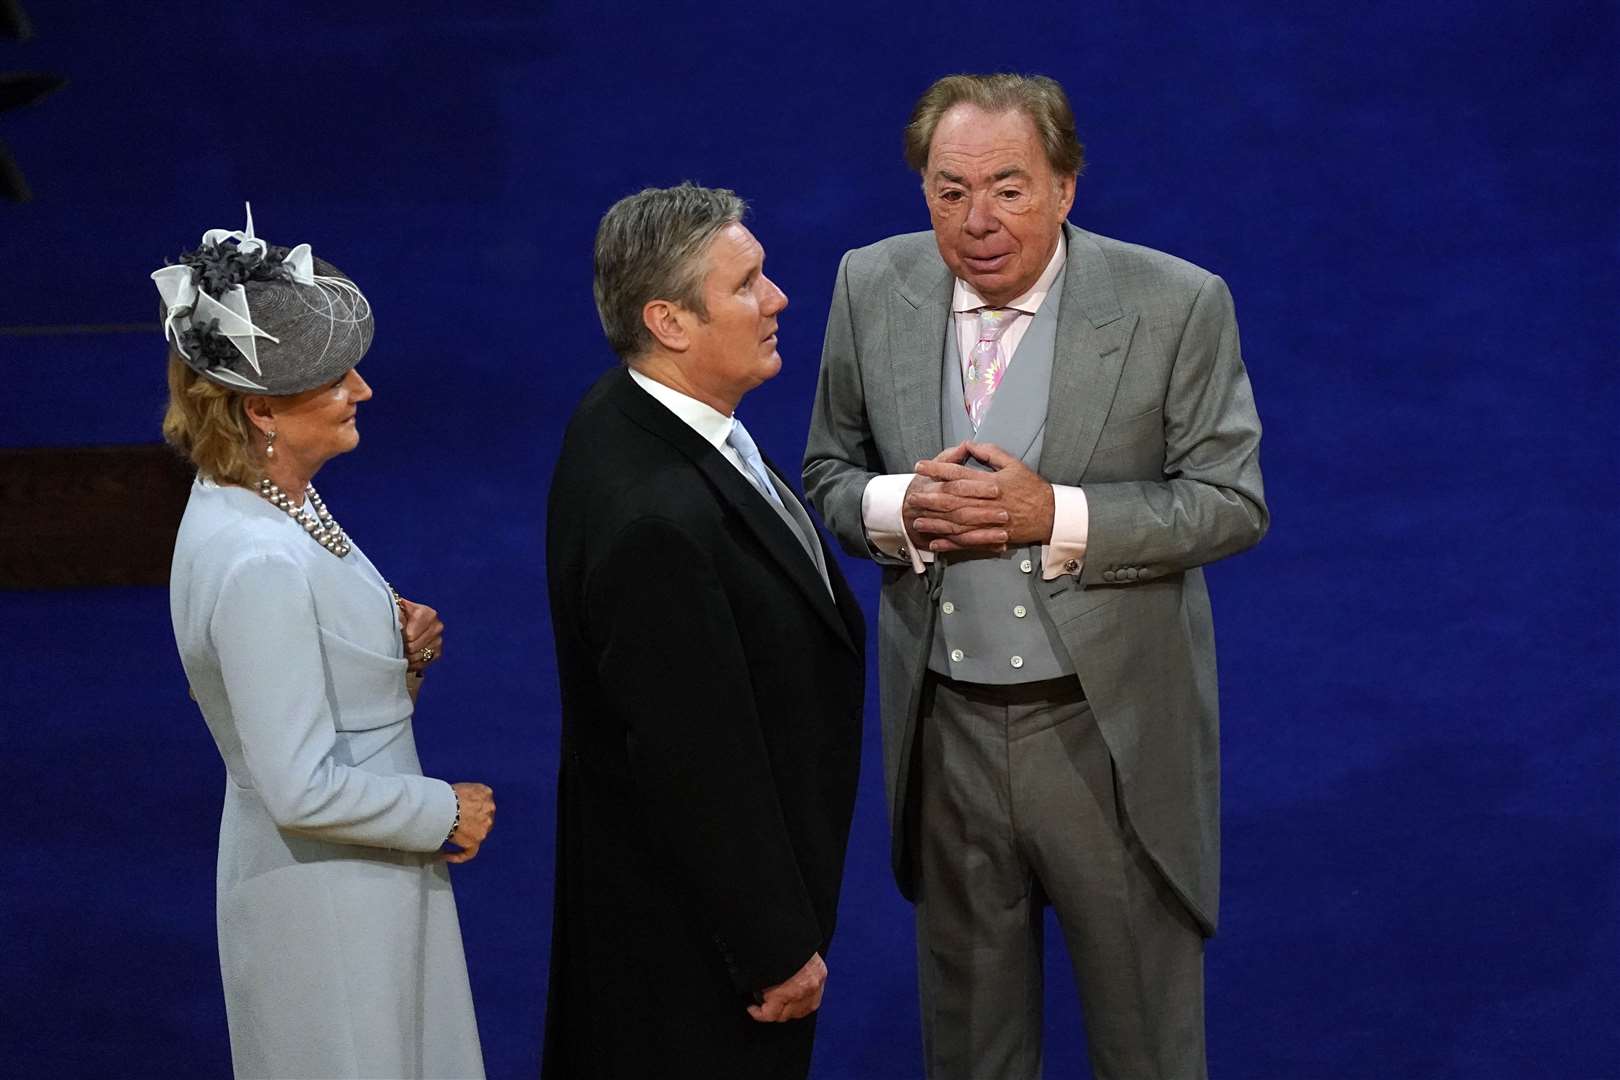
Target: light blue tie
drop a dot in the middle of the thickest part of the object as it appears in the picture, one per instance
(740, 441)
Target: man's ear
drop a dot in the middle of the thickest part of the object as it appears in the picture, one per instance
(260, 412)
(667, 322)
(1065, 194)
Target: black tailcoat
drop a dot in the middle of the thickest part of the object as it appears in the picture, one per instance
(711, 696)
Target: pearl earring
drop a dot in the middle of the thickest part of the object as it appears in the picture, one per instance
(269, 444)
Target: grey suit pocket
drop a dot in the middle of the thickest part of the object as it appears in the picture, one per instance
(1075, 602)
(1132, 429)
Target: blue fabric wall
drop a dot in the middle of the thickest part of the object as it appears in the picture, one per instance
(1414, 205)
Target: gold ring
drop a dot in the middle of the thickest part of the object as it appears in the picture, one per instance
(427, 655)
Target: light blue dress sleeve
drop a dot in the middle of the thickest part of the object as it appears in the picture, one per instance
(268, 640)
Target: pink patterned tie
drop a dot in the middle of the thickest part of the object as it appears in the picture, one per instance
(987, 363)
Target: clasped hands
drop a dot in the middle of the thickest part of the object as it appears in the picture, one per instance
(951, 507)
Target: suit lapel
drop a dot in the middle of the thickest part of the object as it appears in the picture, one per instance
(919, 310)
(1093, 333)
(772, 533)
(842, 601)
(738, 495)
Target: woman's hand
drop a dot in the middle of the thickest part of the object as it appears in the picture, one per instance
(477, 804)
(423, 634)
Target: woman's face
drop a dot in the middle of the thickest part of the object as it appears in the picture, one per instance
(317, 425)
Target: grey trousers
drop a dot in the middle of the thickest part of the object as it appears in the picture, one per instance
(1016, 808)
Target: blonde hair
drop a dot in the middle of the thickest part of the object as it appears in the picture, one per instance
(208, 424)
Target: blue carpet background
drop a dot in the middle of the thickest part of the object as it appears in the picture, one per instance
(1414, 205)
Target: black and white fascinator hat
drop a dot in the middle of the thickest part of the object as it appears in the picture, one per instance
(259, 318)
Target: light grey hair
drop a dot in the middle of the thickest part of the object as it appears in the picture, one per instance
(1040, 98)
(650, 246)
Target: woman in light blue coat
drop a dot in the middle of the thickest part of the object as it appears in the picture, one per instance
(338, 938)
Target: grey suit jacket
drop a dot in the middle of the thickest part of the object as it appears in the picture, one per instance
(1151, 413)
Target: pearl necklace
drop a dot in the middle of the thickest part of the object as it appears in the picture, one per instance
(322, 528)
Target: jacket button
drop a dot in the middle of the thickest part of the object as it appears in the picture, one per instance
(1026, 566)
(956, 656)
(1108, 575)
(1017, 661)
(947, 607)
(1019, 611)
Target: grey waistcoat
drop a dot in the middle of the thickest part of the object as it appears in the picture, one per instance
(989, 627)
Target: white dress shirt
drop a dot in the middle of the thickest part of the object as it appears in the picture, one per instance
(714, 426)
(716, 429)
(881, 500)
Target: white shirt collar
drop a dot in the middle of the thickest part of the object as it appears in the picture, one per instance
(697, 415)
(964, 298)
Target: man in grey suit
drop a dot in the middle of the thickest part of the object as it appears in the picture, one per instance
(1042, 436)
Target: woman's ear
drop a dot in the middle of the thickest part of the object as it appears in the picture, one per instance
(666, 322)
(261, 412)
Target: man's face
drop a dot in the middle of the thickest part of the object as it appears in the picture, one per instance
(734, 349)
(996, 206)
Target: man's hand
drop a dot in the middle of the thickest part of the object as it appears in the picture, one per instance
(1025, 497)
(948, 499)
(1021, 498)
(799, 996)
(422, 632)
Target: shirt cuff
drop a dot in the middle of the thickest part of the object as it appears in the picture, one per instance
(886, 538)
(1071, 525)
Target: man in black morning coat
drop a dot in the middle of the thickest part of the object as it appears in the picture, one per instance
(710, 656)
